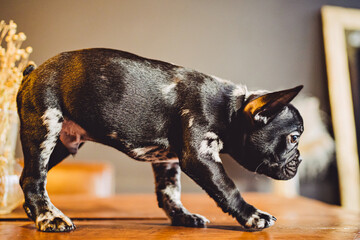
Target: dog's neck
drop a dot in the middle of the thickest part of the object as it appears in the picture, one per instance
(239, 96)
(236, 132)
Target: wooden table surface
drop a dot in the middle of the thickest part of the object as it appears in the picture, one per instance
(138, 217)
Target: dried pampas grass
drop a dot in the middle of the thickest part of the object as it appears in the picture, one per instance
(13, 60)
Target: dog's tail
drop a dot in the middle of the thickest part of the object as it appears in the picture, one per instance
(29, 68)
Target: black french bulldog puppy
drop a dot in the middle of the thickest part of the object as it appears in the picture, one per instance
(175, 118)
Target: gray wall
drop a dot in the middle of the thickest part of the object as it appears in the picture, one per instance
(268, 44)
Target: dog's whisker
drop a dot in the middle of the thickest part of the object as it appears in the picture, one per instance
(258, 166)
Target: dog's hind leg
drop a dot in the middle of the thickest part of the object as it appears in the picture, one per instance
(39, 135)
(167, 180)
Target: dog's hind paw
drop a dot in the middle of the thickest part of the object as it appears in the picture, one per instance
(189, 220)
(54, 222)
(260, 220)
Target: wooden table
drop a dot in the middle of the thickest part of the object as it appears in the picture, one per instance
(138, 217)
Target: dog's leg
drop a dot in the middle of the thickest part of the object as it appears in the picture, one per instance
(200, 161)
(39, 137)
(168, 188)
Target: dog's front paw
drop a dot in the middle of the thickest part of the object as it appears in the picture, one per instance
(28, 212)
(189, 220)
(260, 220)
(54, 222)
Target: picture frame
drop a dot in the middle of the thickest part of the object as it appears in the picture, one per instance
(336, 21)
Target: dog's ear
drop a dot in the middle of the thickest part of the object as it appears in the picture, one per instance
(263, 108)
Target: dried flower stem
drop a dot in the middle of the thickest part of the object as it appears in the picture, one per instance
(12, 62)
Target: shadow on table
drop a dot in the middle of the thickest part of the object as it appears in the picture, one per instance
(218, 227)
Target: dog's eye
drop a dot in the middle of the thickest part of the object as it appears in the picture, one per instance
(293, 138)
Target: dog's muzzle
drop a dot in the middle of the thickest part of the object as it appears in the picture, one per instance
(283, 170)
(289, 169)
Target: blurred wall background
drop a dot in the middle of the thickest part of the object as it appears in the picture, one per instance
(267, 44)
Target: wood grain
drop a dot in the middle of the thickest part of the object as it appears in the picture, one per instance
(137, 216)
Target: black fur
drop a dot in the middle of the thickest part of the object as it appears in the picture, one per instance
(153, 111)
(28, 69)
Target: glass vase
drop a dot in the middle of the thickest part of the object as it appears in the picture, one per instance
(10, 168)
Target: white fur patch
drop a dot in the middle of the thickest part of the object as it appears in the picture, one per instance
(240, 90)
(257, 92)
(202, 217)
(184, 112)
(113, 135)
(260, 118)
(173, 193)
(257, 222)
(221, 80)
(142, 151)
(180, 74)
(284, 112)
(191, 121)
(50, 119)
(211, 146)
(162, 142)
(211, 135)
(167, 89)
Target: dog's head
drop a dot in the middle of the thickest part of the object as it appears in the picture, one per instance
(269, 128)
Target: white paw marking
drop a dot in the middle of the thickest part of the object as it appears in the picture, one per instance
(50, 216)
(203, 218)
(50, 119)
(256, 222)
(211, 146)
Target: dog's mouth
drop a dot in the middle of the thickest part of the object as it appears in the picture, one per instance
(290, 168)
(282, 170)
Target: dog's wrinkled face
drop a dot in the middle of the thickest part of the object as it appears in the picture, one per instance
(271, 136)
(272, 149)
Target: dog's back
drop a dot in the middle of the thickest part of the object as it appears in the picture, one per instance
(77, 84)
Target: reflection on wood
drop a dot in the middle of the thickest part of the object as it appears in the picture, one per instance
(138, 217)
